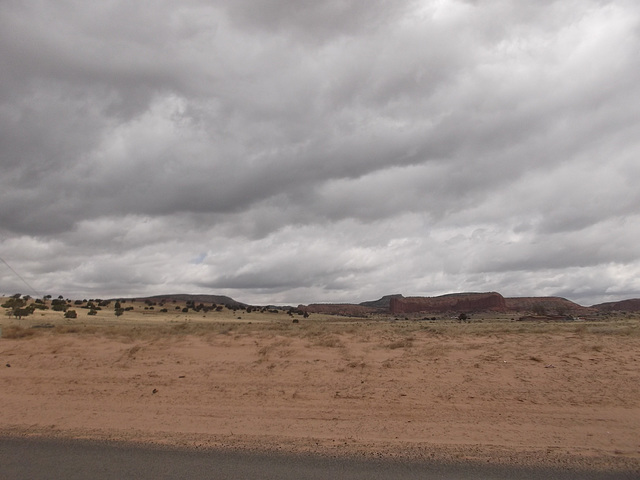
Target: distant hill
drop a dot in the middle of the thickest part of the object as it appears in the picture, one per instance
(630, 305)
(550, 305)
(464, 302)
(452, 302)
(198, 298)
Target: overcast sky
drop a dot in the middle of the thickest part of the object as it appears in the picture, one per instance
(298, 151)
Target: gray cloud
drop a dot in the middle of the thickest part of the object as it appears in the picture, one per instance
(305, 151)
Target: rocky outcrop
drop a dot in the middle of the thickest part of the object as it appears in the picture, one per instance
(455, 302)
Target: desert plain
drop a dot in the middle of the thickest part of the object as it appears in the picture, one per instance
(558, 394)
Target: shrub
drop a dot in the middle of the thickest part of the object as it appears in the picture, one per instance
(14, 303)
(70, 314)
(59, 305)
(22, 312)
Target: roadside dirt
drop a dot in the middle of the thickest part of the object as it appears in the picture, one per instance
(552, 399)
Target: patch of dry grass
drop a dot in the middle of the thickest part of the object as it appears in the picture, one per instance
(319, 330)
(15, 332)
(82, 329)
(327, 341)
(277, 347)
(406, 342)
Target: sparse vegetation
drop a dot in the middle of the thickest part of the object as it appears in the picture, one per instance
(324, 331)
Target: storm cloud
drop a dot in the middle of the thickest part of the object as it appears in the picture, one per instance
(295, 152)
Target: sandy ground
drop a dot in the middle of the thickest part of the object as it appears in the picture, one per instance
(555, 399)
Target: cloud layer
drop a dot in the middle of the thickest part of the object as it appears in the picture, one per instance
(284, 152)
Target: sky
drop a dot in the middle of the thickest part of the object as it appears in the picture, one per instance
(286, 152)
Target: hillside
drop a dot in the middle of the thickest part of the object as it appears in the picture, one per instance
(630, 305)
(545, 305)
(198, 298)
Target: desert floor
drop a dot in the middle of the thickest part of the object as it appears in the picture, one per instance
(504, 392)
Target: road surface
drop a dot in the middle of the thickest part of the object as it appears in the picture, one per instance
(69, 460)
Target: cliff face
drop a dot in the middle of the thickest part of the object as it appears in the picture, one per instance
(458, 302)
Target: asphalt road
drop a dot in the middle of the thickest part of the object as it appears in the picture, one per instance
(69, 460)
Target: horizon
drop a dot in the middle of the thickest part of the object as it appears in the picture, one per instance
(323, 150)
(293, 304)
